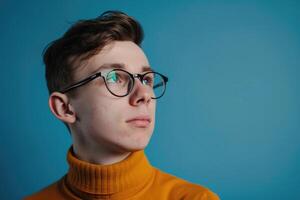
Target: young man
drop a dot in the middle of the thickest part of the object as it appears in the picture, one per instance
(102, 87)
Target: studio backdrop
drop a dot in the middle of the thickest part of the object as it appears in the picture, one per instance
(230, 118)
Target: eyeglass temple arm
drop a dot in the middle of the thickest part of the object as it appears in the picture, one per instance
(82, 82)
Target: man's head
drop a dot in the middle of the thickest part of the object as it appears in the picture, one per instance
(94, 116)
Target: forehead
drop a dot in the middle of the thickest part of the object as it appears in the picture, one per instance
(126, 53)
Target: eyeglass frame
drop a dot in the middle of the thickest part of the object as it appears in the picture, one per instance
(132, 76)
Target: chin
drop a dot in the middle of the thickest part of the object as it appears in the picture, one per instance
(134, 139)
(136, 145)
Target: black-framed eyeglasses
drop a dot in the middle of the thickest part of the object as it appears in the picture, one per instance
(120, 82)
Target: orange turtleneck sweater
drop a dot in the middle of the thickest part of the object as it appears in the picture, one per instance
(133, 178)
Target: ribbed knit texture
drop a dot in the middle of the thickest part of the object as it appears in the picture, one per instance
(133, 178)
(102, 180)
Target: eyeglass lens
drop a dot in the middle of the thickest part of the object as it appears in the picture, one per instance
(120, 83)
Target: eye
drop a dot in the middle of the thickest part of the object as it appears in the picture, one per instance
(113, 77)
(148, 79)
(117, 77)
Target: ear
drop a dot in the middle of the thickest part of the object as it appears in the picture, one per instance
(62, 109)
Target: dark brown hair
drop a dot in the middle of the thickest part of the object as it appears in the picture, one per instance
(83, 40)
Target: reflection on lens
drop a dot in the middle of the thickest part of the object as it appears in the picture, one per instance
(158, 86)
(120, 82)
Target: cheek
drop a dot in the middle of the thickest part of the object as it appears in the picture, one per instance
(105, 116)
(101, 124)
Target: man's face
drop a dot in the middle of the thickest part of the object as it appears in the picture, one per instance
(102, 118)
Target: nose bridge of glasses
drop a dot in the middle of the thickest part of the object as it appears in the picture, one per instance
(139, 76)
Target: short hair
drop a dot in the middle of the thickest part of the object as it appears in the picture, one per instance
(83, 40)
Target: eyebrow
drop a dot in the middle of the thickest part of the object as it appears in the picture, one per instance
(120, 66)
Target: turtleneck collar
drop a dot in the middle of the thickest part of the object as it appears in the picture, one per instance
(95, 180)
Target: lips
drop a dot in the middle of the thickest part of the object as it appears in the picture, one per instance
(140, 121)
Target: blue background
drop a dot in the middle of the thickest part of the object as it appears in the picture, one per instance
(230, 117)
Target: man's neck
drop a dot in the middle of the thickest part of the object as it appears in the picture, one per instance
(98, 156)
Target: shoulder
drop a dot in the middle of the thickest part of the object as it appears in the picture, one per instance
(182, 189)
(50, 192)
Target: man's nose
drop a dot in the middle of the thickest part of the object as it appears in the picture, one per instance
(141, 93)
